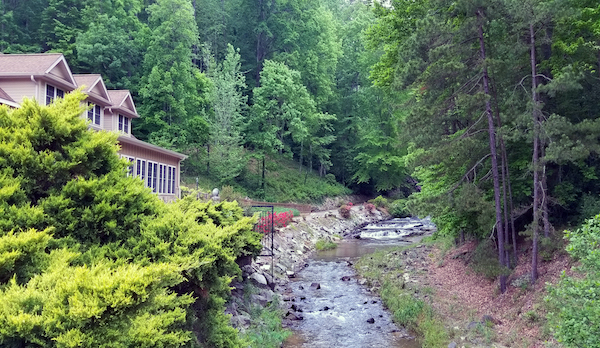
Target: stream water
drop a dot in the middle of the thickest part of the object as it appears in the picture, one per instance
(337, 311)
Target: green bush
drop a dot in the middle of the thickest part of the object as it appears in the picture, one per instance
(325, 245)
(380, 202)
(574, 311)
(398, 209)
(90, 257)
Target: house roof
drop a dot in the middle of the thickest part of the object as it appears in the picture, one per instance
(122, 101)
(133, 141)
(50, 65)
(94, 87)
(7, 100)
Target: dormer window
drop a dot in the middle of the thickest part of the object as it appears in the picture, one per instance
(94, 113)
(53, 93)
(123, 124)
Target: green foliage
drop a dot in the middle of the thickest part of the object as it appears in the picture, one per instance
(265, 329)
(380, 202)
(322, 244)
(399, 209)
(407, 309)
(227, 158)
(574, 313)
(89, 257)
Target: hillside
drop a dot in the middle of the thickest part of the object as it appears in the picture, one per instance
(285, 181)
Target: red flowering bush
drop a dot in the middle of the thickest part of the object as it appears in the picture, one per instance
(278, 220)
(370, 208)
(345, 211)
(350, 204)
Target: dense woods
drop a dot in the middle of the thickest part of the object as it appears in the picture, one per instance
(486, 111)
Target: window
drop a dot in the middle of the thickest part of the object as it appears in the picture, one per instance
(161, 178)
(150, 175)
(141, 170)
(169, 190)
(53, 93)
(172, 180)
(94, 113)
(124, 124)
(155, 171)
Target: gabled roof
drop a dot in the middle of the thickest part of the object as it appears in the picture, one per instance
(7, 100)
(93, 86)
(50, 65)
(123, 102)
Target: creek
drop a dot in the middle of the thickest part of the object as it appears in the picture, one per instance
(335, 309)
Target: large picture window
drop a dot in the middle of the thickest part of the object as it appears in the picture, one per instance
(94, 113)
(53, 93)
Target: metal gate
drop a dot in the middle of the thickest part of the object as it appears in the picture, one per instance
(264, 225)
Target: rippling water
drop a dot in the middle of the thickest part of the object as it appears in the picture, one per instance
(342, 313)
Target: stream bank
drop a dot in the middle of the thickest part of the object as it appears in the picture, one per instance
(266, 279)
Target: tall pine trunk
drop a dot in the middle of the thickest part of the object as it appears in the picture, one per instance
(493, 153)
(535, 225)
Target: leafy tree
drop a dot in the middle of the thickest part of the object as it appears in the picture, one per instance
(172, 90)
(280, 102)
(573, 301)
(227, 154)
(110, 47)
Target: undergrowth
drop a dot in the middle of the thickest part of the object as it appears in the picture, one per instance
(265, 330)
(325, 245)
(408, 310)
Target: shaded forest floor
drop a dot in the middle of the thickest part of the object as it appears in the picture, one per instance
(462, 297)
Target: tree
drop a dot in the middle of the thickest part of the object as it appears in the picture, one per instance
(172, 90)
(279, 102)
(227, 153)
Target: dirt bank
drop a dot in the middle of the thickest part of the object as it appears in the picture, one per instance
(464, 300)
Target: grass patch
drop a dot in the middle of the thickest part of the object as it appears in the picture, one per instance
(265, 330)
(283, 182)
(325, 245)
(408, 310)
(278, 210)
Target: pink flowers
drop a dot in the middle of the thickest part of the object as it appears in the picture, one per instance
(278, 220)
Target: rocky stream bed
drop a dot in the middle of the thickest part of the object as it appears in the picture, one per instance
(326, 304)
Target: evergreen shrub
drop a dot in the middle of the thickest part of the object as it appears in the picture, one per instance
(90, 257)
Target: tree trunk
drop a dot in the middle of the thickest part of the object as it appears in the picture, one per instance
(208, 159)
(263, 175)
(301, 149)
(493, 152)
(535, 225)
(508, 183)
(545, 214)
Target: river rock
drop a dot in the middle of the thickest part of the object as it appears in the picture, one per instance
(346, 278)
(259, 278)
(452, 345)
(315, 286)
(290, 274)
(371, 320)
